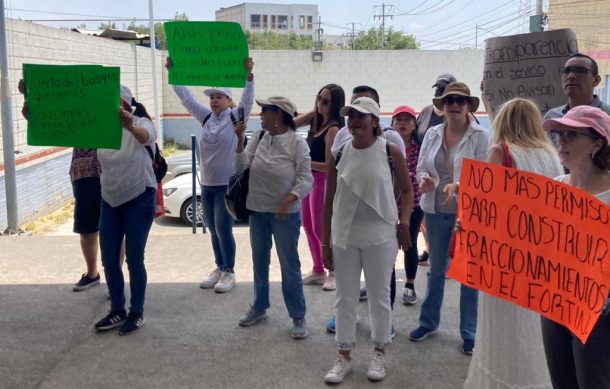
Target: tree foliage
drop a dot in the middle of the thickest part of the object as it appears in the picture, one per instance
(269, 40)
(393, 40)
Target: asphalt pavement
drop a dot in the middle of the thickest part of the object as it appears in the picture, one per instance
(191, 338)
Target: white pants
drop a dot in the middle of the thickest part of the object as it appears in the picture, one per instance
(377, 262)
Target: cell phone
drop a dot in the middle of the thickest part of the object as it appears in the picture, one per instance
(240, 114)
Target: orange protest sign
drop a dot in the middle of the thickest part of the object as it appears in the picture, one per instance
(535, 242)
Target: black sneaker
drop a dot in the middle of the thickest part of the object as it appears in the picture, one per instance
(112, 320)
(86, 282)
(423, 259)
(133, 322)
(363, 295)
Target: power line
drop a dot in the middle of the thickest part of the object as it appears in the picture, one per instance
(64, 13)
(382, 17)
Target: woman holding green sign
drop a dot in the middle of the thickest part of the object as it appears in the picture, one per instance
(128, 206)
(217, 143)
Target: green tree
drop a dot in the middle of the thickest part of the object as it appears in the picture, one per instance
(393, 40)
(268, 40)
(104, 26)
(159, 30)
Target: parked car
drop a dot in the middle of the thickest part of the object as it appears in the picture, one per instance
(178, 195)
(178, 165)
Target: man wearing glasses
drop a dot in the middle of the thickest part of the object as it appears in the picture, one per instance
(579, 77)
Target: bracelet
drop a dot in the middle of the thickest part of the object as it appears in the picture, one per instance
(400, 225)
(324, 245)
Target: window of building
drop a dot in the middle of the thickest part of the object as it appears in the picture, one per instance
(265, 22)
(255, 21)
(273, 22)
(282, 21)
(309, 22)
(302, 22)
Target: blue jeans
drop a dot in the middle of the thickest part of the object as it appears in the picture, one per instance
(220, 223)
(263, 226)
(439, 227)
(131, 220)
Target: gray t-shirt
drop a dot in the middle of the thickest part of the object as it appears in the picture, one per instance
(443, 164)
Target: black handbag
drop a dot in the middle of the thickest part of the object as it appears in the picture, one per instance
(237, 193)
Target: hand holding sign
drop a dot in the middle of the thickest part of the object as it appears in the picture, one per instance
(535, 242)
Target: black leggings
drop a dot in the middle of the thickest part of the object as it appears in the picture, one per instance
(411, 255)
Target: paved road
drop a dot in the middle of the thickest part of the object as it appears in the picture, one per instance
(191, 338)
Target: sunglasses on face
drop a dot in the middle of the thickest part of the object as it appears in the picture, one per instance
(567, 136)
(578, 70)
(459, 100)
(269, 108)
(322, 101)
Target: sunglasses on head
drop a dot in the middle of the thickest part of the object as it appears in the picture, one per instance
(578, 70)
(322, 101)
(460, 100)
(269, 108)
(567, 136)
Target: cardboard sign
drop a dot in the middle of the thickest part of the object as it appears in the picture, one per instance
(535, 242)
(527, 66)
(207, 53)
(73, 106)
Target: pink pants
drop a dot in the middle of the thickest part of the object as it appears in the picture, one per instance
(312, 212)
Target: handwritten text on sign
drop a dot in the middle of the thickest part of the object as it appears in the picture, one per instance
(535, 242)
(527, 66)
(73, 105)
(207, 53)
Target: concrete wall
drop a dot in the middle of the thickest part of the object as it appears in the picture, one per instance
(43, 184)
(401, 77)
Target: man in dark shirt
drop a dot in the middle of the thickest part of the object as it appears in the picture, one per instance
(430, 116)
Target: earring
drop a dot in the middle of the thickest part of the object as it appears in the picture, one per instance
(592, 156)
(275, 125)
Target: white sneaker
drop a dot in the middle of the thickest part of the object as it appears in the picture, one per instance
(211, 279)
(376, 370)
(226, 282)
(313, 278)
(340, 370)
(329, 284)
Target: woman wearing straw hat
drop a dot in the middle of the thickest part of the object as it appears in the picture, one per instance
(280, 176)
(438, 172)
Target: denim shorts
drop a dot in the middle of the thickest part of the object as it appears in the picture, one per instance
(88, 196)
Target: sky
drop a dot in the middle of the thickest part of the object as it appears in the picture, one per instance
(436, 24)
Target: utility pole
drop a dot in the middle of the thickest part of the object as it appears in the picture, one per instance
(319, 32)
(10, 175)
(382, 17)
(353, 33)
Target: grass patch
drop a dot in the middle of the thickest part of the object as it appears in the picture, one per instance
(49, 222)
(170, 147)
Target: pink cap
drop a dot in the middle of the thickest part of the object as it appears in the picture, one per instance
(582, 116)
(404, 109)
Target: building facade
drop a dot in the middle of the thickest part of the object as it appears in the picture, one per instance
(589, 20)
(279, 18)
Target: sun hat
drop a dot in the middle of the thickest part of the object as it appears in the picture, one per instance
(126, 94)
(218, 91)
(404, 109)
(582, 116)
(362, 104)
(459, 89)
(443, 80)
(282, 103)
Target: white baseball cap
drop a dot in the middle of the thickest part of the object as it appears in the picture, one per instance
(218, 91)
(364, 105)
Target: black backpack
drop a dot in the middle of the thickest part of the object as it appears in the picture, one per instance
(237, 192)
(159, 163)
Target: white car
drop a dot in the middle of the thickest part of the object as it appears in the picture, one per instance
(177, 198)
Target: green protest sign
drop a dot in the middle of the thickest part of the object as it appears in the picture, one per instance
(207, 53)
(73, 106)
